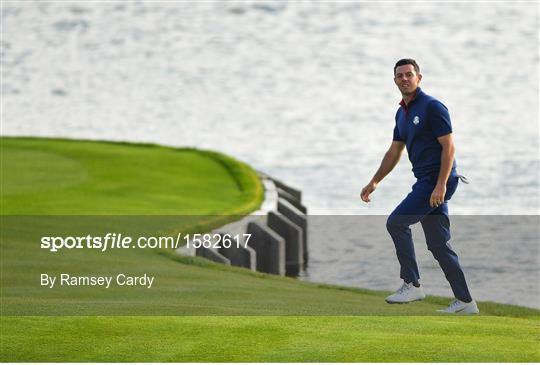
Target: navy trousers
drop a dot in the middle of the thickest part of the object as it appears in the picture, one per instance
(436, 225)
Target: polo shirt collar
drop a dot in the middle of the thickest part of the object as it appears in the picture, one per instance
(417, 92)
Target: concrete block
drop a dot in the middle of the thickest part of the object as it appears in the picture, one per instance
(294, 251)
(291, 199)
(237, 254)
(210, 254)
(294, 192)
(269, 248)
(187, 250)
(298, 218)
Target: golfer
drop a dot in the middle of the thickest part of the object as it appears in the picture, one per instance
(423, 126)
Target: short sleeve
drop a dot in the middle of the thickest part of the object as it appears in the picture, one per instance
(397, 137)
(439, 119)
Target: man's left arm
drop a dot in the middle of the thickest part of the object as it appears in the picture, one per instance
(447, 161)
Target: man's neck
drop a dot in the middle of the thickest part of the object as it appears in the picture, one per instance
(407, 98)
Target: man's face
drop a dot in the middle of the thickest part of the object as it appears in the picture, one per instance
(407, 79)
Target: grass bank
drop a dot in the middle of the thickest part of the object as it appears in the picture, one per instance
(66, 177)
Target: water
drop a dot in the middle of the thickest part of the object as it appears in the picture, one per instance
(300, 90)
(499, 255)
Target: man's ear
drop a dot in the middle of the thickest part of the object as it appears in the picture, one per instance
(419, 77)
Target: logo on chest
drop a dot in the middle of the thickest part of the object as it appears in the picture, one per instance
(416, 120)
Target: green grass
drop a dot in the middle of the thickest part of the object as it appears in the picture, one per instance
(53, 176)
(197, 310)
(271, 339)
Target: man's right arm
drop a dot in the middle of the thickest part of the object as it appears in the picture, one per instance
(389, 161)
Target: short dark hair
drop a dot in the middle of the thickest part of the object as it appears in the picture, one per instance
(407, 61)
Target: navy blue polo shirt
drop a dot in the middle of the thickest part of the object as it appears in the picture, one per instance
(419, 124)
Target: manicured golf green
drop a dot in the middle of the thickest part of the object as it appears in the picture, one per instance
(48, 176)
(197, 310)
(270, 339)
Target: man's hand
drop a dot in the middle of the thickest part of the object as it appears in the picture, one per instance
(437, 196)
(390, 160)
(368, 189)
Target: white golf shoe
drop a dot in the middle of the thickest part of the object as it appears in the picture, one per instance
(459, 307)
(406, 294)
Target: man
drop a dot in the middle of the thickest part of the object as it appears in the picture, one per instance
(423, 126)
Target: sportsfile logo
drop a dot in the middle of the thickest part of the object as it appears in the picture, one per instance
(123, 241)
